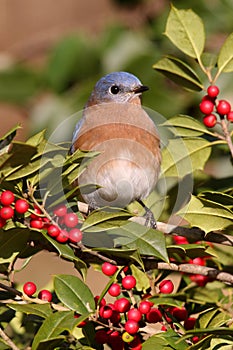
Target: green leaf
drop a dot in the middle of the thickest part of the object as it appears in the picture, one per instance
(209, 60)
(180, 72)
(183, 125)
(13, 241)
(41, 310)
(146, 240)
(218, 197)
(74, 294)
(53, 326)
(225, 58)
(183, 156)
(165, 341)
(105, 219)
(143, 282)
(8, 137)
(166, 301)
(186, 31)
(207, 215)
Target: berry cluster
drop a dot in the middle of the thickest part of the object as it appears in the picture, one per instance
(30, 288)
(63, 227)
(210, 106)
(125, 318)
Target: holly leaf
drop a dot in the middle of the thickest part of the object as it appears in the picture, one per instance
(225, 58)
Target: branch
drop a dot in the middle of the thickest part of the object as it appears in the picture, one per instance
(192, 269)
(9, 342)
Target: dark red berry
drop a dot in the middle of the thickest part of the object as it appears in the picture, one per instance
(37, 223)
(136, 344)
(21, 206)
(144, 307)
(134, 314)
(129, 282)
(189, 323)
(116, 317)
(29, 288)
(230, 116)
(2, 222)
(53, 230)
(223, 107)
(101, 336)
(114, 290)
(180, 313)
(166, 287)
(122, 305)
(131, 326)
(6, 212)
(213, 91)
(60, 211)
(109, 269)
(200, 280)
(154, 315)
(101, 303)
(206, 106)
(210, 120)
(62, 237)
(45, 295)
(75, 235)
(70, 220)
(7, 198)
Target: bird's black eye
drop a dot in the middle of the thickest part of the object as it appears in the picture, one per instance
(114, 89)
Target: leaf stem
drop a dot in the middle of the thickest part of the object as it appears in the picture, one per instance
(7, 340)
(227, 135)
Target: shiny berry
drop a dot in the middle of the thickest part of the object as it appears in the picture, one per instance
(6, 212)
(206, 106)
(197, 261)
(70, 220)
(29, 288)
(230, 116)
(223, 107)
(109, 269)
(213, 91)
(62, 237)
(45, 295)
(154, 315)
(210, 120)
(114, 290)
(21, 206)
(122, 305)
(134, 314)
(144, 307)
(106, 311)
(180, 240)
(36, 213)
(37, 223)
(102, 302)
(129, 282)
(166, 287)
(60, 211)
(75, 235)
(53, 230)
(180, 313)
(7, 198)
(131, 326)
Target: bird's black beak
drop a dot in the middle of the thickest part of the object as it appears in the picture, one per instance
(140, 89)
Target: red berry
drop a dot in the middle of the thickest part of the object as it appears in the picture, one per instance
(7, 198)
(134, 314)
(101, 336)
(206, 106)
(122, 305)
(109, 269)
(230, 116)
(129, 282)
(45, 295)
(200, 280)
(116, 317)
(189, 323)
(180, 240)
(70, 220)
(101, 303)
(62, 237)
(36, 213)
(180, 313)
(197, 261)
(136, 344)
(223, 107)
(6, 212)
(166, 287)
(144, 307)
(106, 311)
(195, 339)
(37, 223)
(2, 222)
(21, 206)
(213, 91)
(131, 326)
(29, 288)
(210, 120)
(75, 235)
(53, 230)
(114, 290)
(60, 211)
(154, 315)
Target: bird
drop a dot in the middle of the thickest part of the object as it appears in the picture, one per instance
(114, 124)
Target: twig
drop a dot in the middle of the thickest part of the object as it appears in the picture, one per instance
(192, 269)
(84, 249)
(9, 342)
(227, 135)
(11, 289)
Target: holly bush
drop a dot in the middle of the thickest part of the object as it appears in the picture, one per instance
(169, 287)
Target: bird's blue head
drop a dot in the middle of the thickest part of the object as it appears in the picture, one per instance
(117, 87)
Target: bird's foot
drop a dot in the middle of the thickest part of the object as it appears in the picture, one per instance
(149, 216)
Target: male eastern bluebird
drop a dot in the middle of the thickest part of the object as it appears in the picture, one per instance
(115, 124)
